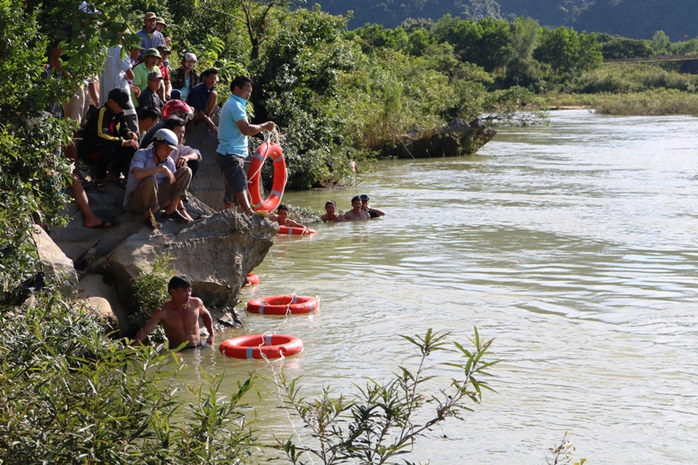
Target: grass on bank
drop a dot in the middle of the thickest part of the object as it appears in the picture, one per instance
(631, 89)
(648, 103)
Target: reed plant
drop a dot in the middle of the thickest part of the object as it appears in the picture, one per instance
(382, 421)
(649, 103)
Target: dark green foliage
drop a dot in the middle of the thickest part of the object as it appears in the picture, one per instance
(637, 19)
(486, 43)
(616, 47)
(565, 52)
(298, 82)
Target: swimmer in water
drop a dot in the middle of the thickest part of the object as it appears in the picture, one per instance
(331, 215)
(281, 217)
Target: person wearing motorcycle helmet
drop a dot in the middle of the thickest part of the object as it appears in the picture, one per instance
(155, 183)
(172, 108)
(185, 77)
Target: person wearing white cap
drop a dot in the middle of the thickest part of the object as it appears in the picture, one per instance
(185, 77)
(154, 182)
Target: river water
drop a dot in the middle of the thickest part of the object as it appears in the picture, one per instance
(572, 245)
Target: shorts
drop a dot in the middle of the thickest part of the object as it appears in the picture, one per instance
(234, 172)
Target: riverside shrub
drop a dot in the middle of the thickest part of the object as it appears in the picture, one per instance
(69, 395)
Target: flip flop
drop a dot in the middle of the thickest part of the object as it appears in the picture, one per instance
(103, 224)
(100, 187)
(177, 216)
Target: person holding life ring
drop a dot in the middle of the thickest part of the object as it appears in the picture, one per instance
(254, 175)
(281, 217)
(232, 150)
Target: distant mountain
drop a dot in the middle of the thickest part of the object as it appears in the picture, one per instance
(638, 19)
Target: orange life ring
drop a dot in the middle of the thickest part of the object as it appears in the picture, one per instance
(252, 279)
(290, 230)
(254, 175)
(261, 346)
(283, 304)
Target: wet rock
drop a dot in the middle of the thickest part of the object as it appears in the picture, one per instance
(458, 137)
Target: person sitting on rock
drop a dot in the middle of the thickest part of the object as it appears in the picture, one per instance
(356, 213)
(142, 70)
(184, 155)
(203, 98)
(330, 213)
(147, 118)
(172, 108)
(282, 218)
(107, 143)
(149, 97)
(185, 77)
(374, 212)
(163, 66)
(180, 317)
(155, 183)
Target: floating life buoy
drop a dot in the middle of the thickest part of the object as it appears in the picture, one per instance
(252, 279)
(261, 346)
(290, 230)
(283, 304)
(254, 175)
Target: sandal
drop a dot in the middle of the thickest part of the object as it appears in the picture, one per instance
(175, 215)
(100, 187)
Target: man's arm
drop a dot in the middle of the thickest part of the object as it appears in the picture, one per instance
(150, 325)
(252, 129)
(378, 212)
(294, 224)
(208, 322)
(140, 173)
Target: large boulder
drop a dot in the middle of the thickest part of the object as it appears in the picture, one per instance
(58, 268)
(88, 247)
(455, 138)
(208, 183)
(215, 253)
(102, 300)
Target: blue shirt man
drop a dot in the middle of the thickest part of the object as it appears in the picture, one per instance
(232, 148)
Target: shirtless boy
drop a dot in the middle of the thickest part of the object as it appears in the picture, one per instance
(356, 213)
(331, 215)
(281, 217)
(180, 316)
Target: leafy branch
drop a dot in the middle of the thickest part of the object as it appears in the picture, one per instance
(381, 420)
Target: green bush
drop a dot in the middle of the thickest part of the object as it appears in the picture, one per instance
(69, 395)
(150, 292)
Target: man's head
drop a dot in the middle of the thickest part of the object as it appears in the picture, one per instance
(151, 57)
(154, 81)
(177, 108)
(160, 24)
(210, 77)
(149, 21)
(176, 125)
(241, 87)
(364, 201)
(164, 51)
(179, 287)
(188, 60)
(282, 213)
(118, 100)
(148, 117)
(164, 142)
(356, 202)
(134, 51)
(330, 207)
